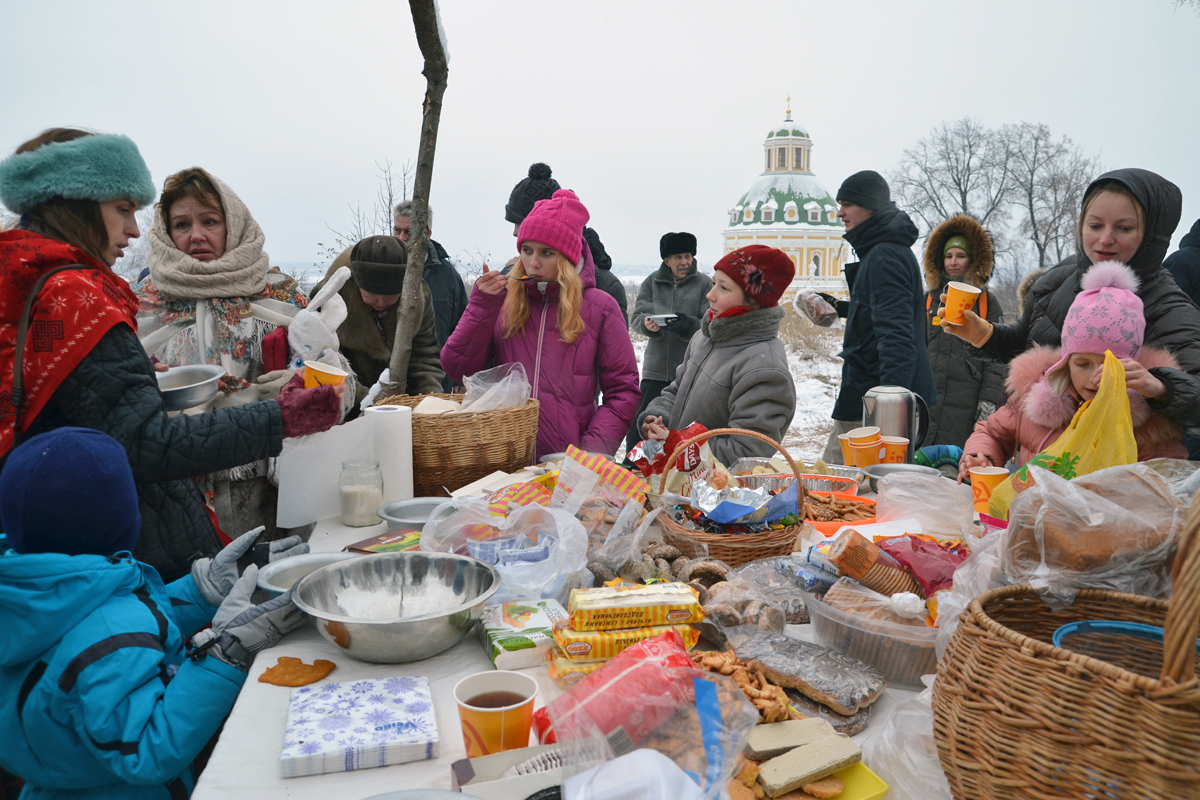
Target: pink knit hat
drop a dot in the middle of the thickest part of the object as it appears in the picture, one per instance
(557, 222)
(1106, 315)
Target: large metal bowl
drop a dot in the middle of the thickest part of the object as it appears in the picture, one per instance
(411, 514)
(878, 472)
(188, 386)
(397, 607)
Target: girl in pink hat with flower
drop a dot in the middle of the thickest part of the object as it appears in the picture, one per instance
(1046, 385)
(570, 337)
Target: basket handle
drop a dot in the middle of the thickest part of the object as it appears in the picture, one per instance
(1183, 614)
(662, 482)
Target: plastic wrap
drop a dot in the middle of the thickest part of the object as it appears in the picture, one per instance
(904, 753)
(930, 564)
(980, 572)
(736, 609)
(933, 500)
(463, 525)
(814, 308)
(504, 386)
(770, 578)
(1111, 529)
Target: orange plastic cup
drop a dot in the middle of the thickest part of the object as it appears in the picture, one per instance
(959, 297)
(984, 481)
(316, 374)
(492, 722)
(868, 435)
(895, 449)
(867, 455)
(847, 453)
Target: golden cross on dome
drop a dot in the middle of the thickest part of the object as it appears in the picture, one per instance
(789, 107)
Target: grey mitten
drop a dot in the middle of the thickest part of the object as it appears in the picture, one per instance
(286, 548)
(983, 410)
(271, 383)
(240, 629)
(215, 577)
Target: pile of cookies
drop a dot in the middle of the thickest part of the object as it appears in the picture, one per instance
(831, 508)
(794, 760)
(663, 562)
(768, 698)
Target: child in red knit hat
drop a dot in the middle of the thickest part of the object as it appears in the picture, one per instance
(735, 373)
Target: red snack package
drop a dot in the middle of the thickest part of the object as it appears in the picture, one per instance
(630, 697)
(931, 565)
(543, 728)
(650, 455)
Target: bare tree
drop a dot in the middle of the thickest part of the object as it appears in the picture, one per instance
(961, 167)
(1049, 178)
(470, 264)
(430, 39)
(137, 254)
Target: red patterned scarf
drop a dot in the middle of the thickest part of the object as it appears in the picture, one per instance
(73, 310)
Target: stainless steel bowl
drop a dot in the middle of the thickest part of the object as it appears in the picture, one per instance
(411, 514)
(279, 576)
(878, 472)
(188, 386)
(396, 607)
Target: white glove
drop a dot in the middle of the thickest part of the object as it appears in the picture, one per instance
(286, 548)
(215, 577)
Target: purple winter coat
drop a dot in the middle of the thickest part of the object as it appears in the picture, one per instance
(564, 376)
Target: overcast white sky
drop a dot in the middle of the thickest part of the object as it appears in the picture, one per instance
(654, 112)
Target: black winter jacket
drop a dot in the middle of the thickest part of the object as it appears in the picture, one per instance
(969, 387)
(605, 280)
(1184, 263)
(449, 297)
(114, 390)
(1172, 319)
(883, 344)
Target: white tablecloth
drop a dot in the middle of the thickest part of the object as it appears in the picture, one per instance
(245, 763)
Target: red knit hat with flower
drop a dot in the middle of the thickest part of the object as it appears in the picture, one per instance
(762, 272)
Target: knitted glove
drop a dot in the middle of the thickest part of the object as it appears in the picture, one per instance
(682, 325)
(308, 411)
(240, 629)
(215, 577)
(983, 410)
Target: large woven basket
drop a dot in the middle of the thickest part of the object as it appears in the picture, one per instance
(452, 450)
(1016, 717)
(734, 549)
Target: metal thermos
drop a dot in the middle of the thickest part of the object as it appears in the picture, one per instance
(897, 412)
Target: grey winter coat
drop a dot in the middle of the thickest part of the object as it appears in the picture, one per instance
(660, 294)
(970, 388)
(735, 375)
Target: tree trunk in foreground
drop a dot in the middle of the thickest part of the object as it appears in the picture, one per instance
(412, 303)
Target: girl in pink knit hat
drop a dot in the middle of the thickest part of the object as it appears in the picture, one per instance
(570, 337)
(1047, 385)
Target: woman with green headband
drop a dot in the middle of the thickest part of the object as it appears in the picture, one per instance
(69, 352)
(969, 388)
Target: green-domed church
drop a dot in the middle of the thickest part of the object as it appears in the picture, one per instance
(789, 208)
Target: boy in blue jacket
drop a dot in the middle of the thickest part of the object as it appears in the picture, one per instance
(98, 698)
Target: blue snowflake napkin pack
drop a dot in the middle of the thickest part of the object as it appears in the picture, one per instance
(338, 727)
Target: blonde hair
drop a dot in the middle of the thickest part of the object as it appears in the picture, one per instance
(570, 301)
(1116, 188)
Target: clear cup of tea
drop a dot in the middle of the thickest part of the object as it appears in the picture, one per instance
(495, 710)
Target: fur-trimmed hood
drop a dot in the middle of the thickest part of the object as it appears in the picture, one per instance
(982, 253)
(1026, 387)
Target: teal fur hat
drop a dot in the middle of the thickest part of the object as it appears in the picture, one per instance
(100, 167)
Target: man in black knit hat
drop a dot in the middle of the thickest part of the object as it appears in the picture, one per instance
(884, 343)
(539, 185)
(677, 288)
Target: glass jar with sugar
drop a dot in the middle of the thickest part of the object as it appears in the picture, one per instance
(361, 486)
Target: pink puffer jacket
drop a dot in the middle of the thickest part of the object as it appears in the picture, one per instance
(564, 376)
(1035, 417)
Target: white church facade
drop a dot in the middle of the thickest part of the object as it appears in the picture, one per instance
(789, 208)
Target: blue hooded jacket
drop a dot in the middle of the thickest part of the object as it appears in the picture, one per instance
(97, 697)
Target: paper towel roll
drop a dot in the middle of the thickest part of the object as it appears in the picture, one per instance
(391, 435)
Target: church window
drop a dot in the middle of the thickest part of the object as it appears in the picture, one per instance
(798, 157)
(768, 215)
(733, 220)
(781, 158)
(814, 215)
(816, 264)
(768, 158)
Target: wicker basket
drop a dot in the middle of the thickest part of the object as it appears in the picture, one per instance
(1016, 717)
(734, 549)
(452, 450)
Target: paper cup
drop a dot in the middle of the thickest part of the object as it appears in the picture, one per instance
(316, 374)
(867, 435)
(895, 449)
(847, 454)
(867, 455)
(491, 730)
(984, 480)
(959, 297)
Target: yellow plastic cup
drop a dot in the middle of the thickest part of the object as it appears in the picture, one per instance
(847, 453)
(492, 723)
(867, 435)
(867, 455)
(316, 374)
(959, 297)
(984, 481)
(895, 449)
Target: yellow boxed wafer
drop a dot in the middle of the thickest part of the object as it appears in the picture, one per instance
(633, 606)
(566, 672)
(592, 645)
